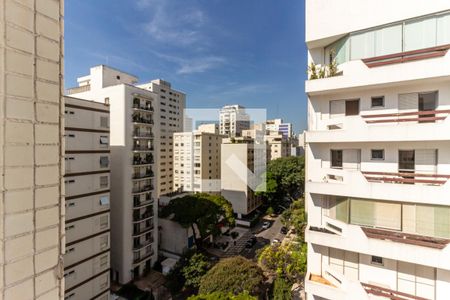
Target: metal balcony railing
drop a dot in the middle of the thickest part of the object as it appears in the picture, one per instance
(142, 189)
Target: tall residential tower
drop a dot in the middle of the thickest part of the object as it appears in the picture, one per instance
(133, 148)
(378, 150)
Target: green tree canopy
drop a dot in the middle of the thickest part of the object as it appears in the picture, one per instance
(223, 296)
(287, 260)
(203, 210)
(233, 275)
(285, 177)
(196, 267)
(282, 289)
(295, 216)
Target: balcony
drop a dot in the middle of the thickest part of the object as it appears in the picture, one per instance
(146, 107)
(141, 258)
(143, 245)
(357, 73)
(379, 128)
(365, 184)
(143, 135)
(142, 148)
(142, 204)
(137, 218)
(142, 189)
(334, 285)
(390, 244)
(141, 231)
(146, 175)
(140, 120)
(143, 161)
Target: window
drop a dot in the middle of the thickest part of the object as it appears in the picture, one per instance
(104, 222)
(336, 158)
(406, 160)
(377, 101)
(104, 161)
(104, 181)
(104, 200)
(352, 107)
(377, 154)
(104, 122)
(427, 102)
(103, 261)
(104, 140)
(377, 260)
(104, 242)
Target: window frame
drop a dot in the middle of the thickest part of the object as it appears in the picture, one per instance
(374, 158)
(377, 106)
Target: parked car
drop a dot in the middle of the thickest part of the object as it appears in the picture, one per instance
(266, 225)
(284, 230)
(276, 241)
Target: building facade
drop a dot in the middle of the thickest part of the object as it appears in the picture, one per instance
(169, 118)
(87, 186)
(377, 150)
(242, 161)
(277, 126)
(233, 119)
(278, 146)
(197, 159)
(133, 152)
(31, 121)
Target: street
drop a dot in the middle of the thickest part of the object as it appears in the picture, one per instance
(264, 236)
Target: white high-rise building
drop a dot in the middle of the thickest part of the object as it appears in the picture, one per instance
(378, 150)
(133, 143)
(233, 119)
(197, 159)
(169, 119)
(87, 162)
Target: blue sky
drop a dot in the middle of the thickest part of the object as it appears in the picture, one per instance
(218, 52)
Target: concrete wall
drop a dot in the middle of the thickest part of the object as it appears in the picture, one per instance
(32, 214)
(328, 18)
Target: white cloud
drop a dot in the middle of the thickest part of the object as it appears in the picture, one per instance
(174, 25)
(200, 65)
(193, 64)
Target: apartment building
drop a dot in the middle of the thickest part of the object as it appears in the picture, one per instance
(133, 143)
(278, 146)
(87, 186)
(377, 150)
(278, 126)
(170, 119)
(233, 119)
(197, 159)
(242, 161)
(32, 215)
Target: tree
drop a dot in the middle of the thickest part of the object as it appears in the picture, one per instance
(285, 177)
(282, 289)
(196, 267)
(203, 211)
(288, 260)
(233, 275)
(223, 296)
(295, 216)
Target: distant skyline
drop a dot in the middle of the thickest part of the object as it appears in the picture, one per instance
(218, 52)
